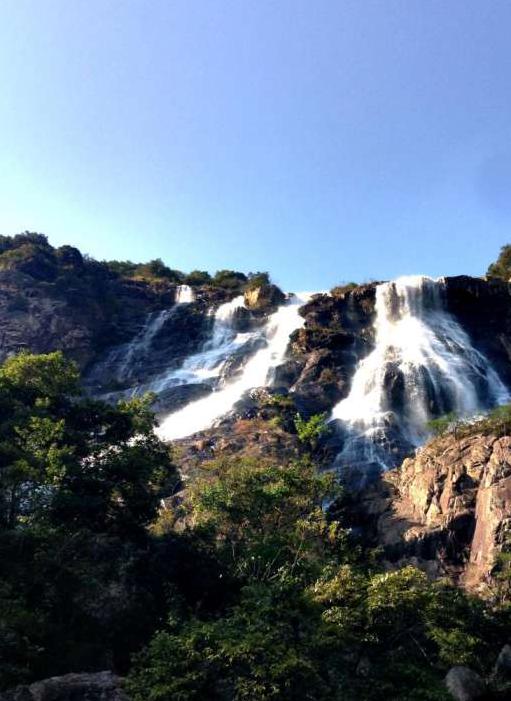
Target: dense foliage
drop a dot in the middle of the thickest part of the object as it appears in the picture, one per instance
(310, 430)
(312, 617)
(65, 268)
(82, 581)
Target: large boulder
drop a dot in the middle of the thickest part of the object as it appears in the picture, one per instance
(503, 665)
(465, 685)
(98, 686)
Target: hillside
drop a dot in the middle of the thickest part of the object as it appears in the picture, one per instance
(211, 489)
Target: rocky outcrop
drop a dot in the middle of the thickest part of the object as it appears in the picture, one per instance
(57, 299)
(448, 508)
(98, 686)
(337, 332)
(80, 315)
(264, 298)
(260, 426)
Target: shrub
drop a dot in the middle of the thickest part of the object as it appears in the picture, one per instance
(447, 423)
(310, 430)
(341, 290)
(230, 279)
(197, 278)
(256, 280)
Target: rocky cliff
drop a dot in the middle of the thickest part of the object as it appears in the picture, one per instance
(336, 334)
(57, 299)
(448, 508)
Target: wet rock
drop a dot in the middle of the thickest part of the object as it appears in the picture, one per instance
(174, 398)
(465, 685)
(336, 334)
(288, 373)
(483, 307)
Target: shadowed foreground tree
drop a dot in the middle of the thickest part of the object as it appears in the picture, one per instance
(83, 583)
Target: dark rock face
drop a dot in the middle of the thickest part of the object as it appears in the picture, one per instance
(503, 664)
(43, 316)
(99, 686)
(161, 344)
(337, 333)
(156, 358)
(54, 299)
(483, 307)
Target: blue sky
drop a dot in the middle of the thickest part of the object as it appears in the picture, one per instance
(324, 141)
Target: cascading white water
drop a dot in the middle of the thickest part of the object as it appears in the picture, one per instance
(140, 345)
(258, 371)
(184, 294)
(423, 365)
(208, 363)
(123, 362)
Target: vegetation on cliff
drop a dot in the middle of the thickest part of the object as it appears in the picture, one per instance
(32, 254)
(501, 268)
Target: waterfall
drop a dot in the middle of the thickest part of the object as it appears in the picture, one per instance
(209, 362)
(423, 365)
(139, 347)
(257, 371)
(184, 294)
(124, 362)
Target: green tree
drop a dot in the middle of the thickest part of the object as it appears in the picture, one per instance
(79, 483)
(258, 279)
(265, 517)
(310, 430)
(502, 266)
(197, 278)
(229, 279)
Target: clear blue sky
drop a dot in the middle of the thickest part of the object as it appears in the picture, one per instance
(321, 140)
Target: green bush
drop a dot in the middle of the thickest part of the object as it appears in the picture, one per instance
(448, 423)
(310, 612)
(310, 430)
(341, 290)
